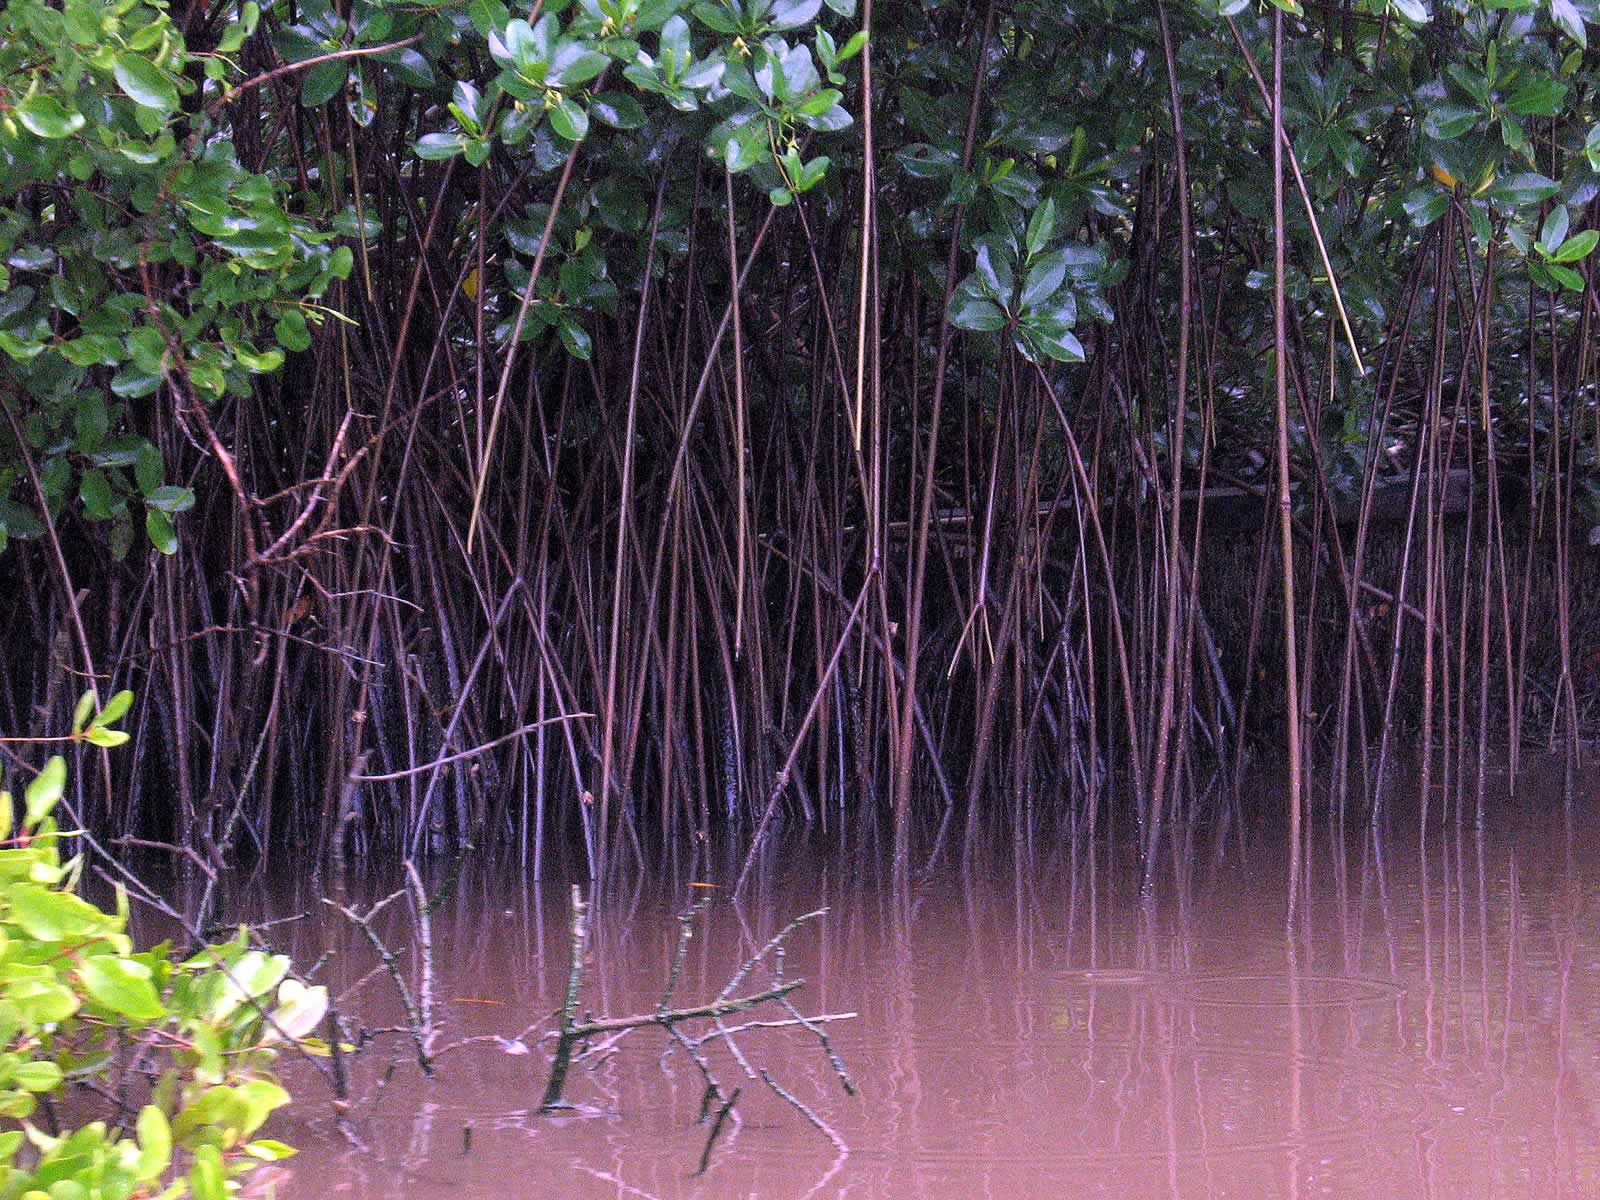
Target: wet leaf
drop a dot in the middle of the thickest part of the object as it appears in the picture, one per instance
(158, 528)
(143, 81)
(980, 316)
(47, 117)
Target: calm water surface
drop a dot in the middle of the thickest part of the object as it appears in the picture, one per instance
(1435, 1033)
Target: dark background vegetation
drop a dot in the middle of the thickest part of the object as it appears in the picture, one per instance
(890, 444)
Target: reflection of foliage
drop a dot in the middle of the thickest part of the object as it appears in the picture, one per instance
(78, 1003)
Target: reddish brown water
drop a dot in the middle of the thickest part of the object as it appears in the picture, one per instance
(1435, 1033)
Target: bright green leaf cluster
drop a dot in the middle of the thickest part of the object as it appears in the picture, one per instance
(75, 997)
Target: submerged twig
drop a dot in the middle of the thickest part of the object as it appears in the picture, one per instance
(571, 1032)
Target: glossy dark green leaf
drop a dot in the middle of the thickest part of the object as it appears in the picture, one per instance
(292, 332)
(435, 146)
(158, 528)
(144, 81)
(569, 120)
(1448, 120)
(716, 17)
(1566, 15)
(1520, 190)
(487, 15)
(96, 494)
(1538, 98)
(576, 341)
(46, 117)
(1576, 247)
(1426, 205)
(980, 316)
(791, 14)
(323, 82)
(618, 110)
(1567, 278)
(573, 64)
(1044, 277)
(170, 499)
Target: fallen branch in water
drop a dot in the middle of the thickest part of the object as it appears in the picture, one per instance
(571, 1033)
(418, 1017)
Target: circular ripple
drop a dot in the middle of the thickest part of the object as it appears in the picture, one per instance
(1277, 991)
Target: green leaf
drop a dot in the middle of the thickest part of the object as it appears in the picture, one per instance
(19, 521)
(830, 121)
(1576, 247)
(155, 1143)
(1519, 190)
(205, 1177)
(323, 82)
(1565, 14)
(269, 1150)
(716, 18)
(1425, 205)
(38, 1075)
(413, 68)
(170, 499)
(1044, 277)
(853, 47)
(82, 713)
(573, 64)
(791, 14)
(105, 738)
(576, 341)
(569, 120)
(47, 117)
(158, 527)
(149, 469)
(44, 792)
(967, 312)
(1556, 223)
(143, 80)
(618, 110)
(291, 332)
(1538, 98)
(97, 496)
(300, 1010)
(1040, 226)
(122, 985)
(52, 916)
(1449, 120)
(487, 16)
(994, 268)
(435, 146)
(116, 708)
(745, 148)
(1567, 278)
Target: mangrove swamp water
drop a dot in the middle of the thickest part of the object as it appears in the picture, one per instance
(1434, 1032)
